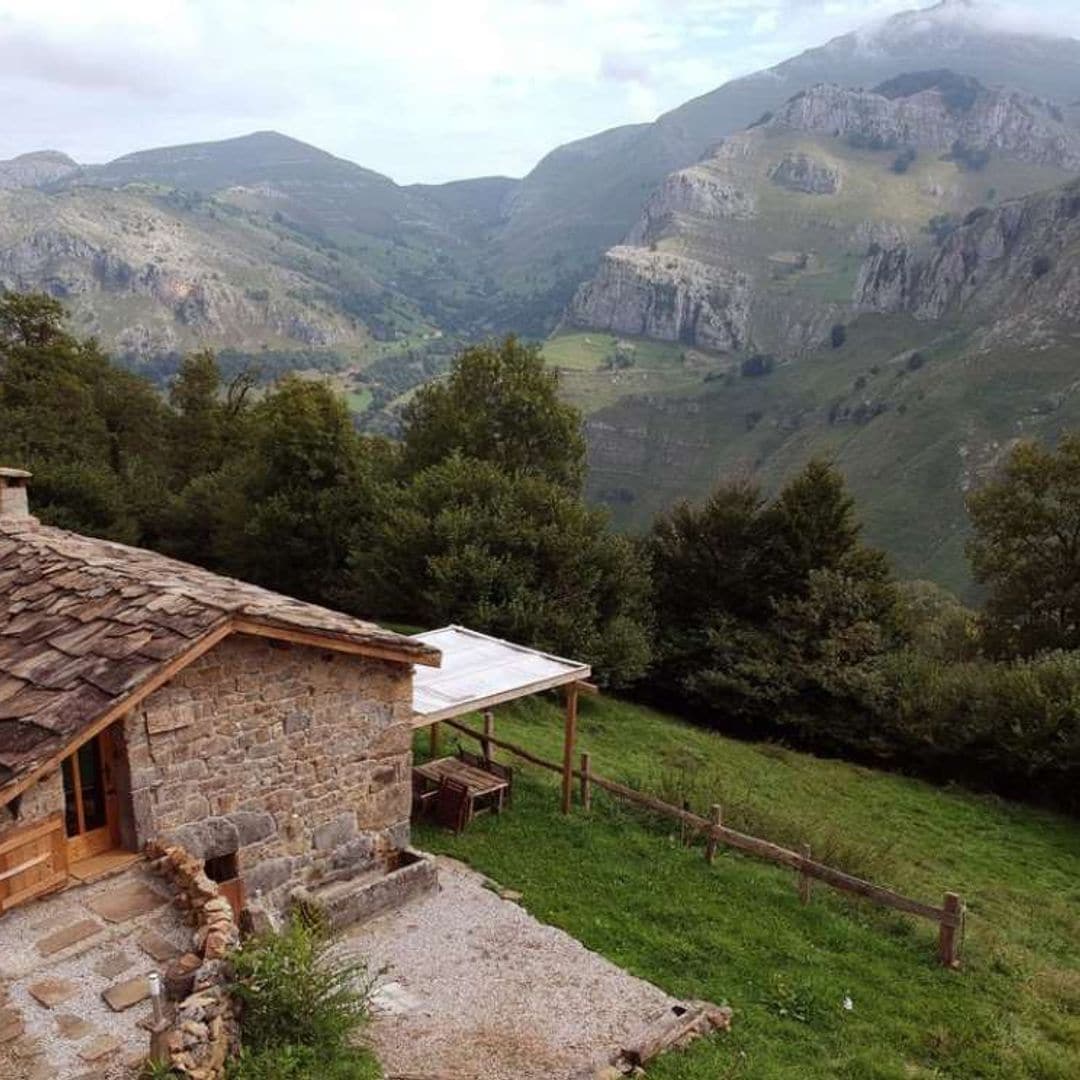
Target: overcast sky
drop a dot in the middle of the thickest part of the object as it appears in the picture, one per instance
(417, 89)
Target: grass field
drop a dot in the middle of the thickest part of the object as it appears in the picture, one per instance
(735, 932)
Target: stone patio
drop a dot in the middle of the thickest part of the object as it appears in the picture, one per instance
(73, 973)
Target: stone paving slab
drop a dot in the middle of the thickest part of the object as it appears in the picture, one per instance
(52, 992)
(73, 1027)
(158, 947)
(101, 1047)
(113, 965)
(126, 902)
(11, 1024)
(68, 936)
(123, 995)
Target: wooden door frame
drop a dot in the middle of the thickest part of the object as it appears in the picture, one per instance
(88, 843)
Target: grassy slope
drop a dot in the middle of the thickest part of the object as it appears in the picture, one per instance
(735, 932)
(944, 426)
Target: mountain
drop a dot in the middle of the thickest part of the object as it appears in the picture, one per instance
(755, 247)
(36, 169)
(584, 197)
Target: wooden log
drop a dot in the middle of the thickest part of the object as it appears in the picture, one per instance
(804, 878)
(434, 740)
(716, 821)
(489, 731)
(948, 935)
(586, 789)
(569, 739)
(669, 1032)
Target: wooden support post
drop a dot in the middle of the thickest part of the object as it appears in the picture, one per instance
(489, 732)
(685, 835)
(948, 951)
(433, 740)
(716, 821)
(586, 787)
(569, 739)
(804, 878)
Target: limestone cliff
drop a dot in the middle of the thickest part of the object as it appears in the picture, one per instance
(668, 297)
(764, 237)
(1013, 270)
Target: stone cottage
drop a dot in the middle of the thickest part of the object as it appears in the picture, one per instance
(146, 699)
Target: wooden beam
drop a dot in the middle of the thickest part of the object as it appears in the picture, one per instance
(335, 644)
(949, 932)
(124, 705)
(586, 791)
(569, 741)
(434, 740)
(489, 731)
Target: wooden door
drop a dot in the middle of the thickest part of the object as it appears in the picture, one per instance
(91, 806)
(33, 860)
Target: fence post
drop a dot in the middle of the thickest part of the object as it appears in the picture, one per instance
(684, 833)
(433, 740)
(716, 819)
(489, 730)
(804, 878)
(586, 786)
(947, 936)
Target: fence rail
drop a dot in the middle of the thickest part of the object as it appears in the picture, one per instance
(949, 917)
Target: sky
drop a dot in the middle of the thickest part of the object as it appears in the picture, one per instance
(421, 90)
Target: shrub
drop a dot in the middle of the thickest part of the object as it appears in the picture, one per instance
(838, 335)
(296, 992)
(304, 1063)
(915, 361)
(903, 160)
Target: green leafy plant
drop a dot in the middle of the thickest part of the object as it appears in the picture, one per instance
(298, 991)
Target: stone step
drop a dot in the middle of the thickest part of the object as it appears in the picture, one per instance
(73, 1027)
(100, 1047)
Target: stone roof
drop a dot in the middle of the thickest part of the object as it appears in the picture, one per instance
(86, 623)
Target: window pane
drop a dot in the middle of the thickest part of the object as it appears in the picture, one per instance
(71, 815)
(93, 787)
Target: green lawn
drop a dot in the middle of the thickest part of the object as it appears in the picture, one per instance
(735, 932)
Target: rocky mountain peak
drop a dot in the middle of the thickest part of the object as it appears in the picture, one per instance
(36, 169)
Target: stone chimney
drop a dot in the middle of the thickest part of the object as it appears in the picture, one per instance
(13, 503)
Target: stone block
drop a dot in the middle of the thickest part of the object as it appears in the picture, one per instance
(296, 721)
(268, 875)
(334, 833)
(209, 838)
(252, 826)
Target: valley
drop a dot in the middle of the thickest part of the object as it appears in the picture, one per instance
(865, 252)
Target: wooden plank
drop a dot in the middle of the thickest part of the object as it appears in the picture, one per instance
(947, 935)
(402, 655)
(28, 864)
(569, 739)
(716, 821)
(24, 834)
(53, 881)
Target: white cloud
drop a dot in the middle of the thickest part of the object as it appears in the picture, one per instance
(419, 89)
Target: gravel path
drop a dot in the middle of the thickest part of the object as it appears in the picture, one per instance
(477, 989)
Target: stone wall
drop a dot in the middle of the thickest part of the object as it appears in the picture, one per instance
(296, 759)
(204, 1030)
(36, 803)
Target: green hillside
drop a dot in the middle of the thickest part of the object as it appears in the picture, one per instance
(736, 933)
(911, 415)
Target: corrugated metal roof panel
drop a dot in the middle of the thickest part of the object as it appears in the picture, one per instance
(478, 671)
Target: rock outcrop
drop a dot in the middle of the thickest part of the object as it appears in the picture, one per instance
(666, 296)
(800, 172)
(1015, 265)
(1019, 125)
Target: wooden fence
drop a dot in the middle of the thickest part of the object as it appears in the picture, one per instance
(949, 917)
